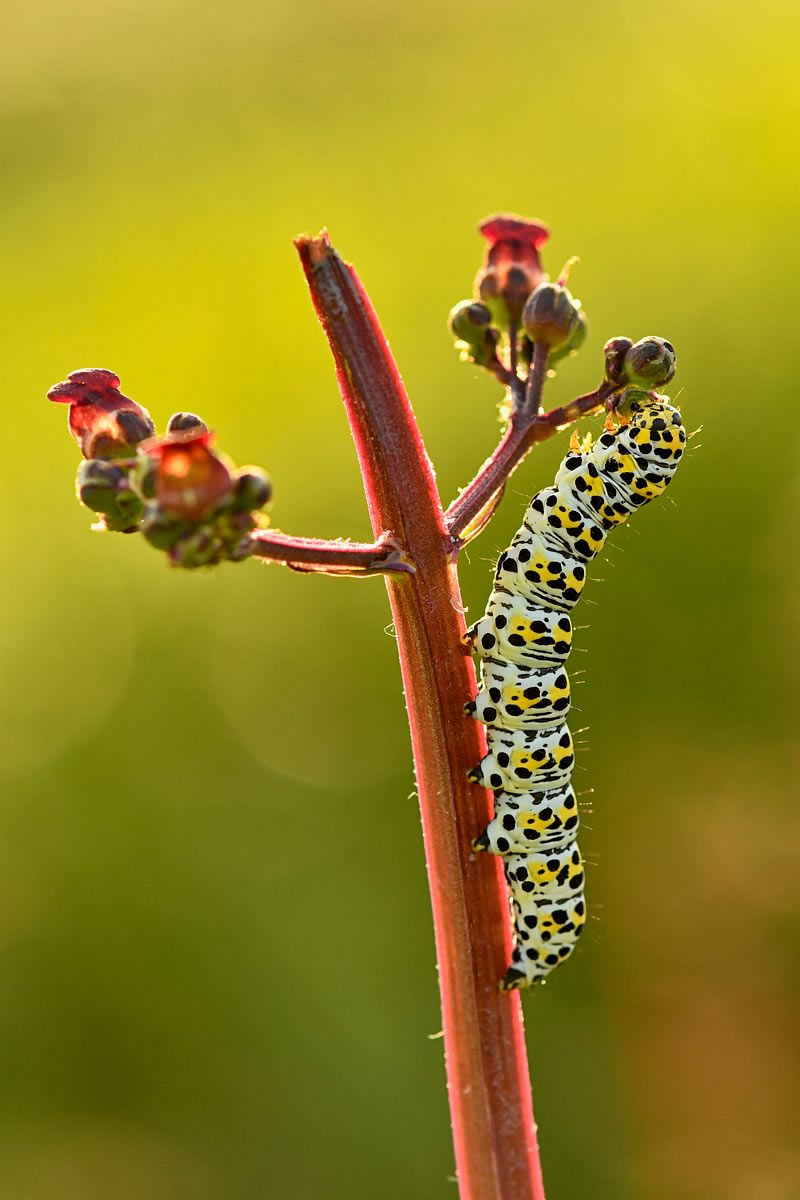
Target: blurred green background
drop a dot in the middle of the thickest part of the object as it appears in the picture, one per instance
(217, 974)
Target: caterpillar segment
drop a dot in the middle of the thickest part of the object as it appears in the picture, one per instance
(517, 631)
(523, 642)
(532, 821)
(520, 697)
(520, 759)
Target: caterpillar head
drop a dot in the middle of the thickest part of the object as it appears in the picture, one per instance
(631, 402)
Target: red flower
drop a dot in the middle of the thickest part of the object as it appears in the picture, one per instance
(103, 422)
(512, 268)
(191, 479)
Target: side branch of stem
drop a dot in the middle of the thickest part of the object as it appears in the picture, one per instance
(338, 557)
(526, 427)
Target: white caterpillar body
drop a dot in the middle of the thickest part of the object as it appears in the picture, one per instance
(523, 641)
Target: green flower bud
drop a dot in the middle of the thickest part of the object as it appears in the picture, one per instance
(97, 484)
(550, 315)
(253, 489)
(180, 421)
(615, 350)
(470, 322)
(197, 549)
(230, 528)
(144, 476)
(106, 488)
(650, 362)
(574, 342)
(119, 525)
(163, 529)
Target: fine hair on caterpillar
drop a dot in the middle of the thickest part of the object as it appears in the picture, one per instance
(523, 642)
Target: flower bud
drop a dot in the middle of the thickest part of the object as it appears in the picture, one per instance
(103, 422)
(192, 479)
(512, 268)
(97, 484)
(144, 475)
(106, 489)
(120, 524)
(615, 350)
(551, 315)
(163, 529)
(253, 489)
(650, 362)
(179, 422)
(197, 549)
(470, 322)
(574, 342)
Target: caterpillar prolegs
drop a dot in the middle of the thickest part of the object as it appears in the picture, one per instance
(523, 642)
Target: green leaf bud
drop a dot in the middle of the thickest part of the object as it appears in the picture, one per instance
(550, 315)
(650, 362)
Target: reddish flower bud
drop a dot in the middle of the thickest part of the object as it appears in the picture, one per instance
(179, 422)
(512, 268)
(103, 422)
(191, 478)
(614, 351)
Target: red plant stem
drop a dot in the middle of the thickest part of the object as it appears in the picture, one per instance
(535, 382)
(524, 430)
(331, 557)
(490, 1102)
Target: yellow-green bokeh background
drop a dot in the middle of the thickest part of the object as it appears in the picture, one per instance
(217, 968)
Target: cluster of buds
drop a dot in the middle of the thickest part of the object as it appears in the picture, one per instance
(184, 496)
(648, 363)
(516, 306)
(633, 370)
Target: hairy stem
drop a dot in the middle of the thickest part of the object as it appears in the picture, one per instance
(339, 557)
(489, 1091)
(525, 429)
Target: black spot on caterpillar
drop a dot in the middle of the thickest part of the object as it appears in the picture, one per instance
(523, 642)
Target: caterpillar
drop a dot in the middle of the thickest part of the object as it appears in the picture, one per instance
(523, 642)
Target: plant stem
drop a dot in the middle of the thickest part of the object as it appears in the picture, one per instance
(489, 1092)
(332, 557)
(525, 429)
